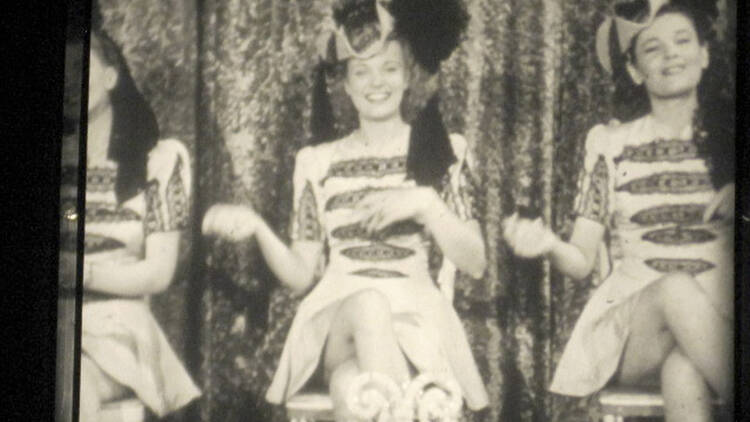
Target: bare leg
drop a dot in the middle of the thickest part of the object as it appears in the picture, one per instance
(96, 388)
(363, 329)
(339, 386)
(686, 395)
(675, 310)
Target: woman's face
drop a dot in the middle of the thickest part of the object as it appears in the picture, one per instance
(102, 79)
(669, 58)
(376, 85)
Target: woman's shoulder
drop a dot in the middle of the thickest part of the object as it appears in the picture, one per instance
(610, 136)
(319, 152)
(167, 157)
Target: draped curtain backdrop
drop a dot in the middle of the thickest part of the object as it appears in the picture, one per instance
(233, 78)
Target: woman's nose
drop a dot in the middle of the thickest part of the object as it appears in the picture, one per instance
(670, 50)
(377, 79)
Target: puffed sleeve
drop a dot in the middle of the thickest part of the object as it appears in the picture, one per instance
(168, 188)
(307, 219)
(595, 195)
(460, 191)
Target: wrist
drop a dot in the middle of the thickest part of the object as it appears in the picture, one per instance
(554, 245)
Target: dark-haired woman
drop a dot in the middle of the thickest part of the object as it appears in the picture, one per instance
(662, 185)
(137, 197)
(376, 203)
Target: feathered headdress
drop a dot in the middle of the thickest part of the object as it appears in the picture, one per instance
(632, 16)
(431, 30)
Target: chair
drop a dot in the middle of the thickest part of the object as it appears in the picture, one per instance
(618, 403)
(309, 407)
(318, 407)
(127, 410)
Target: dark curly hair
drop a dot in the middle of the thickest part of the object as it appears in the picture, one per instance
(135, 130)
(714, 120)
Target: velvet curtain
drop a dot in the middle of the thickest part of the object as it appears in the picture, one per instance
(233, 78)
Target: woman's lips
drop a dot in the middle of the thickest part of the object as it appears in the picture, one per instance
(377, 97)
(672, 70)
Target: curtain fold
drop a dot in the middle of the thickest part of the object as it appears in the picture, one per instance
(233, 80)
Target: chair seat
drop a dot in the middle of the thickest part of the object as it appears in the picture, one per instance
(631, 402)
(310, 407)
(128, 410)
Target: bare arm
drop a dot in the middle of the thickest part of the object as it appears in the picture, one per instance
(460, 240)
(153, 274)
(294, 266)
(575, 258)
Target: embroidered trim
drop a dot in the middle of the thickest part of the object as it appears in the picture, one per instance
(153, 220)
(308, 226)
(678, 236)
(104, 212)
(93, 243)
(377, 252)
(378, 273)
(691, 266)
(368, 167)
(349, 199)
(356, 231)
(668, 182)
(595, 203)
(664, 214)
(659, 150)
(177, 200)
(100, 179)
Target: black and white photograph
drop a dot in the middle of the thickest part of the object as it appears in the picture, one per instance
(397, 211)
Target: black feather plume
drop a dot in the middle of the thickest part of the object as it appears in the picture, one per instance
(432, 28)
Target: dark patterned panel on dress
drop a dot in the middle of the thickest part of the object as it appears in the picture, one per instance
(668, 182)
(93, 243)
(378, 273)
(465, 201)
(308, 225)
(177, 200)
(679, 236)
(659, 150)
(377, 252)
(100, 179)
(665, 214)
(105, 212)
(691, 266)
(356, 231)
(368, 167)
(153, 221)
(348, 199)
(595, 204)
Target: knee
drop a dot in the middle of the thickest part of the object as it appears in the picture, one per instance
(677, 369)
(368, 309)
(676, 288)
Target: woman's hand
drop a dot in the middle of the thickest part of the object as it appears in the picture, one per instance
(528, 238)
(231, 222)
(721, 205)
(379, 210)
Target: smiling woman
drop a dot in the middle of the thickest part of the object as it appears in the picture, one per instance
(666, 309)
(375, 312)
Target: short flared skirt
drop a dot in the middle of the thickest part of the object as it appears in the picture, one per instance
(124, 340)
(426, 326)
(594, 350)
